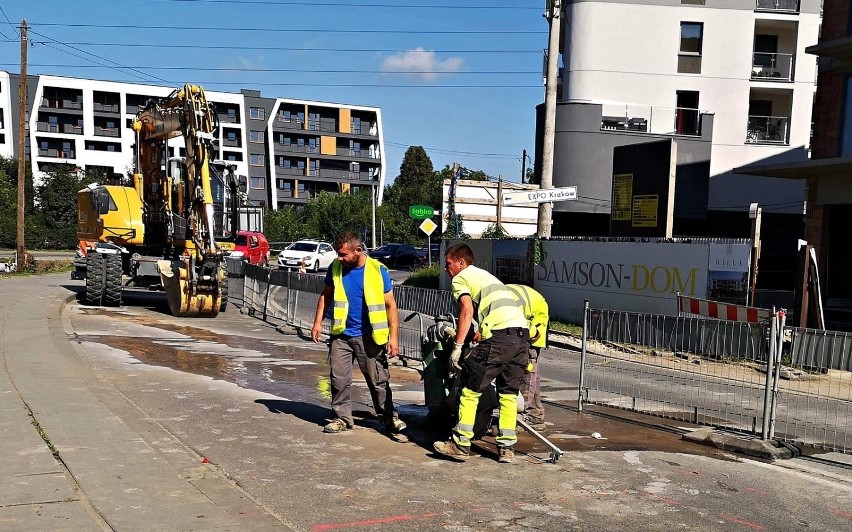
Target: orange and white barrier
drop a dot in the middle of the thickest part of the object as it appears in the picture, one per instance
(722, 311)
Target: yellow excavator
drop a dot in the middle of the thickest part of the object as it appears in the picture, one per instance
(160, 233)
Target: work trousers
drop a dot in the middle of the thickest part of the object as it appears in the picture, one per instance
(502, 358)
(373, 362)
(531, 391)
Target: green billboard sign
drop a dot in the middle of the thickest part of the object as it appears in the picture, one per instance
(420, 212)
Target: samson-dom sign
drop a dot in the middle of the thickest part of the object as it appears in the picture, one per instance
(630, 276)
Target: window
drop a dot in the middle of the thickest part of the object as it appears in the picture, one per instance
(283, 116)
(355, 148)
(300, 165)
(312, 145)
(286, 140)
(356, 125)
(256, 159)
(258, 183)
(300, 117)
(231, 136)
(689, 56)
(315, 166)
(846, 120)
(53, 124)
(313, 120)
(300, 142)
(232, 157)
(285, 163)
(257, 113)
(256, 136)
(110, 147)
(232, 114)
(42, 146)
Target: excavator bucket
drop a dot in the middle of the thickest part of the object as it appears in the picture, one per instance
(182, 302)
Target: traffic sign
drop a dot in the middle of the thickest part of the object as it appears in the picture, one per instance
(421, 212)
(428, 226)
(543, 195)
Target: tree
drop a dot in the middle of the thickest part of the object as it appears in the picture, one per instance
(417, 184)
(57, 207)
(285, 224)
(495, 231)
(9, 203)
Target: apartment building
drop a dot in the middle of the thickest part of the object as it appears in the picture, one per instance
(636, 71)
(289, 150)
(828, 173)
(728, 81)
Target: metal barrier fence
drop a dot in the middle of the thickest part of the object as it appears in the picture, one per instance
(291, 298)
(731, 375)
(778, 382)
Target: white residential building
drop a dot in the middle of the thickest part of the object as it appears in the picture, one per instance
(289, 150)
(731, 72)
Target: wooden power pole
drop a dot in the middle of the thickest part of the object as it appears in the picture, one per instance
(22, 163)
(545, 210)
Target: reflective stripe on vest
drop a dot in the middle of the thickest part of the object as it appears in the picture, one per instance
(374, 297)
(496, 307)
(535, 306)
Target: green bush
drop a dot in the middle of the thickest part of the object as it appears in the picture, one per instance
(424, 277)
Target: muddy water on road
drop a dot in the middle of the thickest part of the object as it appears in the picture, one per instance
(300, 372)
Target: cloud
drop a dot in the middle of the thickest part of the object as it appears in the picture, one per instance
(420, 65)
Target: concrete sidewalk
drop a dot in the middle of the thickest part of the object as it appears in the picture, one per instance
(69, 462)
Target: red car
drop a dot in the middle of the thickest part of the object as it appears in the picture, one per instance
(252, 247)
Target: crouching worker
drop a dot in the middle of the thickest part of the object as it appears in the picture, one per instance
(501, 354)
(538, 316)
(365, 328)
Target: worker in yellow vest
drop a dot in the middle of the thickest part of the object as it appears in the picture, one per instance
(365, 328)
(538, 316)
(501, 352)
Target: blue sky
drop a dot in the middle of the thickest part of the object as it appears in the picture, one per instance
(459, 77)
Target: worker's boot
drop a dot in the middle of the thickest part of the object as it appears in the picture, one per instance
(505, 455)
(452, 450)
(395, 425)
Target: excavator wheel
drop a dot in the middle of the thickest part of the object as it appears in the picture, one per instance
(223, 287)
(175, 277)
(95, 273)
(112, 280)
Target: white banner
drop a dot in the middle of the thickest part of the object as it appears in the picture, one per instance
(729, 257)
(631, 276)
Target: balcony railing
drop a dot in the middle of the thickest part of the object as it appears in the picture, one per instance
(105, 107)
(767, 130)
(659, 120)
(789, 6)
(107, 131)
(772, 67)
(51, 152)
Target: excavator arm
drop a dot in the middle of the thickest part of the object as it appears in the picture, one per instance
(178, 209)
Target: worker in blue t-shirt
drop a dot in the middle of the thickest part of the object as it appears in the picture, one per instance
(358, 295)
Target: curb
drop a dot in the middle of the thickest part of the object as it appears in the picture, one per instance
(747, 445)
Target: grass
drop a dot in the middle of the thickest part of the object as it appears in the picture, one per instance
(567, 328)
(45, 267)
(424, 277)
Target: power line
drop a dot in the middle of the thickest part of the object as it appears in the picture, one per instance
(119, 65)
(350, 4)
(297, 70)
(291, 30)
(454, 152)
(10, 24)
(537, 51)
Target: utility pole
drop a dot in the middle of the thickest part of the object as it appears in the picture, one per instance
(373, 211)
(21, 258)
(524, 166)
(545, 210)
(755, 212)
(499, 203)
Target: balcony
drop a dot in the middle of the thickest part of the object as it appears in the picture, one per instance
(59, 154)
(639, 118)
(772, 67)
(107, 131)
(105, 107)
(767, 130)
(784, 6)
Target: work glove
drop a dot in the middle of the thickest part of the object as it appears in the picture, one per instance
(455, 357)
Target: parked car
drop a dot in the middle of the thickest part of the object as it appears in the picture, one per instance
(315, 255)
(252, 247)
(434, 251)
(396, 255)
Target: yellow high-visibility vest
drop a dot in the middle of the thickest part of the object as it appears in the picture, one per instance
(496, 306)
(374, 297)
(535, 309)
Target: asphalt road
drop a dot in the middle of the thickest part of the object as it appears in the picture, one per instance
(252, 401)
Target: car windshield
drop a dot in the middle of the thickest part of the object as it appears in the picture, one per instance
(303, 246)
(241, 240)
